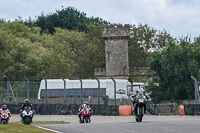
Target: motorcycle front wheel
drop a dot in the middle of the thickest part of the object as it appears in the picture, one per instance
(86, 120)
(27, 120)
(136, 119)
(140, 114)
(3, 122)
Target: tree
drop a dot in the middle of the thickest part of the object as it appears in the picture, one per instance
(173, 68)
(62, 53)
(93, 52)
(73, 54)
(17, 45)
(143, 41)
(67, 18)
(197, 41)
(105, 99)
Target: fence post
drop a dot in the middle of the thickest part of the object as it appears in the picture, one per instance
(114, 89)
(64, 90)
(98, 93)
(27, 87)
(195, 89)
(130, 80)
(7, 81)
(128, 102)
(198, 88)
(81, 90)
(98, 90)
(46, 90)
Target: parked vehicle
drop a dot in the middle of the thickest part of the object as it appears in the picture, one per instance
(85, 115)
(121, 91)
(27, 115)
(140, 107)
(4, 117)
(55, 88)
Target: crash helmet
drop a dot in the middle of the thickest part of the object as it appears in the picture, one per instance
(26, 102)
(141, 90)
(4, 107)
(85, 103)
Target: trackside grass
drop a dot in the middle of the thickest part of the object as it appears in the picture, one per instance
(18, 127)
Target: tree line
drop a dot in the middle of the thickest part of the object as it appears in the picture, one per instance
(68, 44)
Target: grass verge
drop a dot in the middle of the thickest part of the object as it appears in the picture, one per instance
(18, 127)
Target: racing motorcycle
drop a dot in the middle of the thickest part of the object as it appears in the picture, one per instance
(85, 115)
(27, 115)
(4, 117)
(140, 107)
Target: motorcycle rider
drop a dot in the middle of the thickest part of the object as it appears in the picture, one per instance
(4, 107)
(26, 103)
(85, 104)
(140, 90)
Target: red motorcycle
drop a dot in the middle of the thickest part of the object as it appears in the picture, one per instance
(85, 115)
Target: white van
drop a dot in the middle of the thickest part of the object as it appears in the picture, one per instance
(55, 88)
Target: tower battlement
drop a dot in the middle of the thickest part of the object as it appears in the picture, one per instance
(110, 31)
(116, 52)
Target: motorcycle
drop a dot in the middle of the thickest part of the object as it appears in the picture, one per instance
(140, 107)
(4, 117)
(85, 115)
(27, 115)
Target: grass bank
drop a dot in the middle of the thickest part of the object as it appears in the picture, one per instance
(18, 127)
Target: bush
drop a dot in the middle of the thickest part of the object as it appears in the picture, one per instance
(105, 99)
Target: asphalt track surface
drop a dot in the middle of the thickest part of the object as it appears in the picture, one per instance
(130, 127)
(121, 124)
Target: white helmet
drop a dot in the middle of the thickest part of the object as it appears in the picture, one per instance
(141, 90)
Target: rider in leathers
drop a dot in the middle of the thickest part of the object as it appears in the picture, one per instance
(140, 90)
(4, 107)
(80, 109)
(26, 103)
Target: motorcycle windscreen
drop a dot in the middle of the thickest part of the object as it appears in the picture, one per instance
(4, 114)
(84, 109)
(140, 95)
(27, 109)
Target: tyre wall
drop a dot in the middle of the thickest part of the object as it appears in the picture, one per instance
(61, 109)
(192, 109)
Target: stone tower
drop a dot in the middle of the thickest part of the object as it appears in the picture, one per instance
(116, 50)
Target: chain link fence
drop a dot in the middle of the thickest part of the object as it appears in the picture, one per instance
(58, 97)
(65, 96)
(56, 91)
(17, 91)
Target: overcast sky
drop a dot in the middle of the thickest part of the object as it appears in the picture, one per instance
(178, 17)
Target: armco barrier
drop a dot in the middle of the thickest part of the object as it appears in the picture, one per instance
(192, 109)
(109, 110)
(61, 109)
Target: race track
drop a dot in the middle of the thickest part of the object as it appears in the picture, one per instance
(121, 124)
(130, 127)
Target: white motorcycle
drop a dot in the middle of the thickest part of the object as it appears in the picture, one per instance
(27, 115)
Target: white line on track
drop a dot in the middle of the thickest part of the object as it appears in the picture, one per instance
(49, 129)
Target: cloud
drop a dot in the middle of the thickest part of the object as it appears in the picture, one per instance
(25, 8)
(179, 17)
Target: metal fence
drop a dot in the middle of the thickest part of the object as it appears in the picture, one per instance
(10, 91)
(50, 92)
(196, 90)
(61, 91)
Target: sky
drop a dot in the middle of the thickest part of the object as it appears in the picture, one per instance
(180, 18)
